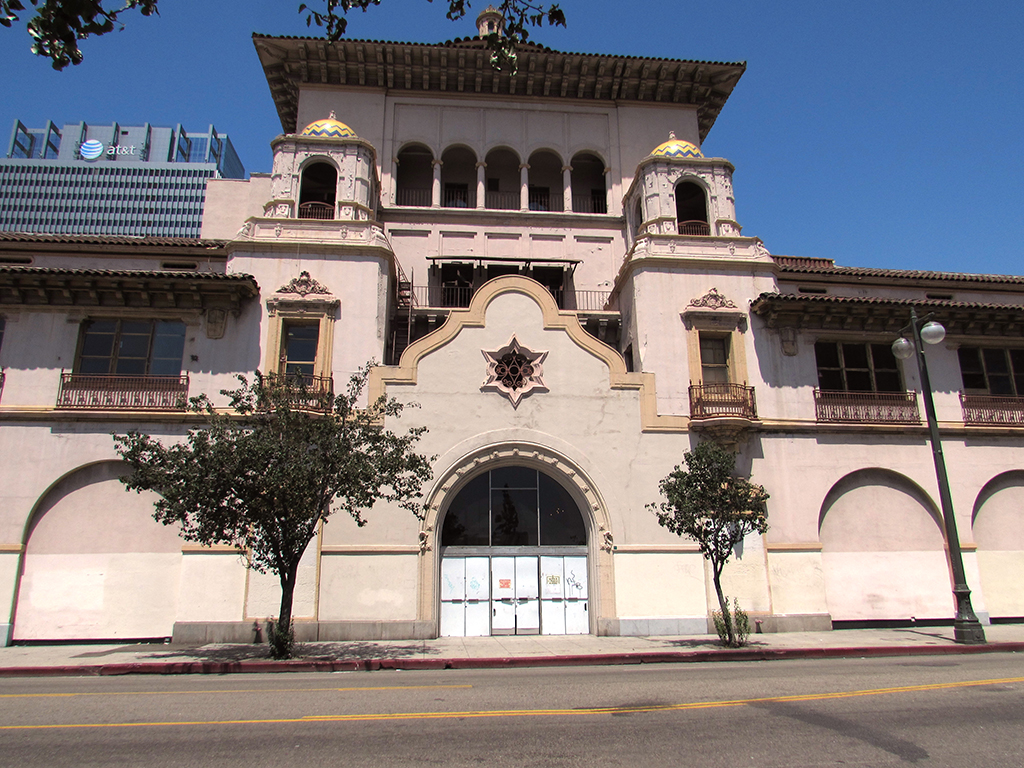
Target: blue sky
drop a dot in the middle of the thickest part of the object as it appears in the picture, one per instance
(880, 134)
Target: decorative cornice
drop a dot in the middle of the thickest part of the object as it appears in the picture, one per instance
(463, 66)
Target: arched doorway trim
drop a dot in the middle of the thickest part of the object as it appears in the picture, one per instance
(600, 538)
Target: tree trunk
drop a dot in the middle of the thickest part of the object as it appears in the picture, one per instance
(288, 577)
(723, 603)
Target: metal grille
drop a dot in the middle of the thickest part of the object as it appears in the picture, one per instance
(459, 296)
(701, 228)
(708, 401)
(323, 211)
(870, 407)
(981, 410)
(412, 196)
(108, 392)
(305, 392)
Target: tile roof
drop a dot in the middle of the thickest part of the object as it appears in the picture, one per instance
(789, 266)
(39, 237)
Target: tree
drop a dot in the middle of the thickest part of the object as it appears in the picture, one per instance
(715, 509)
(264, 475)
(58, 25)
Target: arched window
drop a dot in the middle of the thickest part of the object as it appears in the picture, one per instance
(545, 193)
(458, 178)
(638, 220)
(691, 209)
(318, 191)
(414, 176)
(588, 184)
(502, 191)
(513, 507)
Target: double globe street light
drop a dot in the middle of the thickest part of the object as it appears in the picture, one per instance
(966, 627)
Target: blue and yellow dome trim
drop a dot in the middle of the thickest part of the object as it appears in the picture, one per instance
(331, 128)
(676, 148)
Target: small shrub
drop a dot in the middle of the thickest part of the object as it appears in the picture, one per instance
(281, 643)
(740, 624)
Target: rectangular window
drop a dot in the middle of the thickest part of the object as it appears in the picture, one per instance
(714, 359)
(989, 371)
(298, 350)
(856, 367)
(131, 347)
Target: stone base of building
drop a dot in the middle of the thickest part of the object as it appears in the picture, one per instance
(647, 627)
(200, 633)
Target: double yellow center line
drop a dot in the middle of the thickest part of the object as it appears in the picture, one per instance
(588, 711)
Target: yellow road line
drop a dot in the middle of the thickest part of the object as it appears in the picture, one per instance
(533, 712)
(249, 690)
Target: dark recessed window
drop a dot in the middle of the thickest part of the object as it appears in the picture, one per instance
(857, 367)
(992, 371)
(513, 506)
(131, 347)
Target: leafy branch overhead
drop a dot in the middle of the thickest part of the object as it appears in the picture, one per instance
(58, 25)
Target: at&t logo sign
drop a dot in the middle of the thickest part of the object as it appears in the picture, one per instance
(93, 149)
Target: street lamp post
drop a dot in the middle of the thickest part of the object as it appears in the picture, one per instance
(966, 627)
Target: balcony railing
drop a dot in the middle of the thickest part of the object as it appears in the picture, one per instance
(418, 197)
(709, 401)
(111, 392)
(322, 211)
(866, 407)
(454, 297)
(992, 410)
(589, 204)
(458, 198)
(701, 228)
(502, 201)
(305, 392)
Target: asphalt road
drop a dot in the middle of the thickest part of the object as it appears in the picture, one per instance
(862, 712)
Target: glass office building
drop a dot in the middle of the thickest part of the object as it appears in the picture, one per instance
(112, 179)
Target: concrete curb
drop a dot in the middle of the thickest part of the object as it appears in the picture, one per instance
(498, 662)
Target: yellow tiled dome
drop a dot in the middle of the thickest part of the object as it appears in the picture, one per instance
(331, 128)
(676, 148)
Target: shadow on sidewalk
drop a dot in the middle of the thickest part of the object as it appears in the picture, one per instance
(327, 651)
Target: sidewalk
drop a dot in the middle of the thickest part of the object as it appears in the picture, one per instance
(490, 652)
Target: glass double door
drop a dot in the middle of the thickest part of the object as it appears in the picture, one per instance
(514, 595)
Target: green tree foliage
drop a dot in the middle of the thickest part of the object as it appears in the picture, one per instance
(264, 475)
(715, 509)
(58, 25)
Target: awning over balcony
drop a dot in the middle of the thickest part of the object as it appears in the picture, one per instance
(886, 315)
(39, 286)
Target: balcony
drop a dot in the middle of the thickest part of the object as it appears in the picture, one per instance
(699, 228)
(866, 407)
(454, 297)
(123, 393)
(413, 196)
(321, 211)
(303, 392)
(717, 401)
(992, 410)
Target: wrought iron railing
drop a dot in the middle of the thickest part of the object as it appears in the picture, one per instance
(453, 297)
(701, 228)
(417, 197)
(322, 211)
(458, 198)
(502, 201)
(866, 407)
(997, 410)
(708, 401)
(112, 392)
(589, 204)
(306, 392)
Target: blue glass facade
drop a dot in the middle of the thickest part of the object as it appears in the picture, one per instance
(116, 180)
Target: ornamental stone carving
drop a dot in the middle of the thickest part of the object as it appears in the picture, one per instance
(303, 285)
(712, 300)
(514, 371)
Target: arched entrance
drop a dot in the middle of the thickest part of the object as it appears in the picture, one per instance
(513, 557)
